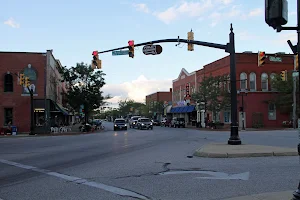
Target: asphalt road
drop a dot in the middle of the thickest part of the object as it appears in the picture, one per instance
(140, 164)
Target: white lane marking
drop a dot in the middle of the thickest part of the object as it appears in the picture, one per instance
(78, 180)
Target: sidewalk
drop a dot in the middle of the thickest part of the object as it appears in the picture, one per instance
(247, 129)
(216, 150)
(75, 131)
(285, 195)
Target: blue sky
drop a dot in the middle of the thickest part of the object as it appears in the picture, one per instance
(73, 29)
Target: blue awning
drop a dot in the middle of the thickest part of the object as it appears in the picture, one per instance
(61, 109)
(180, 109)
(184, 110)
(173, 110)
(190, 109)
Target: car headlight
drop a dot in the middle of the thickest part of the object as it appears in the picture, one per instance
(151, 124)
(115, 124)
(143, 124)
(125, 124)
(133, 122)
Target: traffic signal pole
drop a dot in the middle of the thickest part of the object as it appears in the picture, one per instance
(229, 48)
(296, 51)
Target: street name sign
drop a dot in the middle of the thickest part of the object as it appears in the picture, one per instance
(152, 49)
(120, 53)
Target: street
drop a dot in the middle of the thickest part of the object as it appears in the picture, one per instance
(141, 164)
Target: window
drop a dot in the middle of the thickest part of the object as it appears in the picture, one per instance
(216, 117)
(252, 81)
(272, 76)
(8, 116)
(264, 82)
(227, 117)
(272, 111)
(243, 77)
(8, 83)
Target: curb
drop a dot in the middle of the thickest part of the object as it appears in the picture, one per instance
(225, 151)
(284, 195)
(47, 135)
(204, 154)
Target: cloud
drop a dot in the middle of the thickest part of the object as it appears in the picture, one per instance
(284, 37)
(136, 89)
(221, 10)
(247, 36)
(255, 12)
(191, 9)
(141, 7)
(12, 23)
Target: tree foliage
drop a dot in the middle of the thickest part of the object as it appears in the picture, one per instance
(213, 93)
(84, 87)
(283, 98)
(130, 106)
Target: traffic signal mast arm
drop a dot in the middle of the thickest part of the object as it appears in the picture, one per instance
(206, 44)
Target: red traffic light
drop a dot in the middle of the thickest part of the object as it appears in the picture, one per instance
(95, 53)
(130, 42)
(262, 54)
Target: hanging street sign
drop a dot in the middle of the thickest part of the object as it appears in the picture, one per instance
(152, 49)
(120, 53)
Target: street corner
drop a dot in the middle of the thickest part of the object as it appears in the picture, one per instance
(285, 195)
(219, 150)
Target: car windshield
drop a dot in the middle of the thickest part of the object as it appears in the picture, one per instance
(145, 120)
(135, 118)
(120, 121)
(180, 119)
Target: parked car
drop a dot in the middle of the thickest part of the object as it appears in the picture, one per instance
(133, 121)
(155, 122)
(144, 123)
(178, 122)
(120, 124)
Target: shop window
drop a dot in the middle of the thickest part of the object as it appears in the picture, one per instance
(227, 117)
(272, 111)
(8, 116)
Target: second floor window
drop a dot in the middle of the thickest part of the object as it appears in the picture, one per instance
(252, 81)
(264, 82)
(8, 83)
(243, 80)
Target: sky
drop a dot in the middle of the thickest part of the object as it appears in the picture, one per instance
(73, 29)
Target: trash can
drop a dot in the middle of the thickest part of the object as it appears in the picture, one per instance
(14, 130)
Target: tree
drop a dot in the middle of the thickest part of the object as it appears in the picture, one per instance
(283, 98)
(84, 87)
(130, 106)
(213, 94)
(156, 107)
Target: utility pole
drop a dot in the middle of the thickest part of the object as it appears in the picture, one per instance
(276, 15)
(294, 97)
(31, 111)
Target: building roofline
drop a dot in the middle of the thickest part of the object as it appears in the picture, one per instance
(157, 93)
(186, 73)
(22, 52)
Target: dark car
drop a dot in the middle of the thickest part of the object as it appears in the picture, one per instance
(178, 122)
(144, 123)
(120, 124)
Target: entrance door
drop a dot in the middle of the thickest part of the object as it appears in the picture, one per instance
(241, 115)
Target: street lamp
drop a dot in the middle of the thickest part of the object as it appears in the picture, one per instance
(242, 92)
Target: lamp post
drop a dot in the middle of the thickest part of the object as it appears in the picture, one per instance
(242, 92)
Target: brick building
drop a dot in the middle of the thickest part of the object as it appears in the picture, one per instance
(47, 85)
(158, 103)
(254, 79)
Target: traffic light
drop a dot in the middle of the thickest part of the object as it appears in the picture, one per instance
(296, 62)
(190, 37)
(96, 63)
(22, 79)
(283, 75)
(131, 48)
(276, 13)
(261, 58)
(27, 82)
